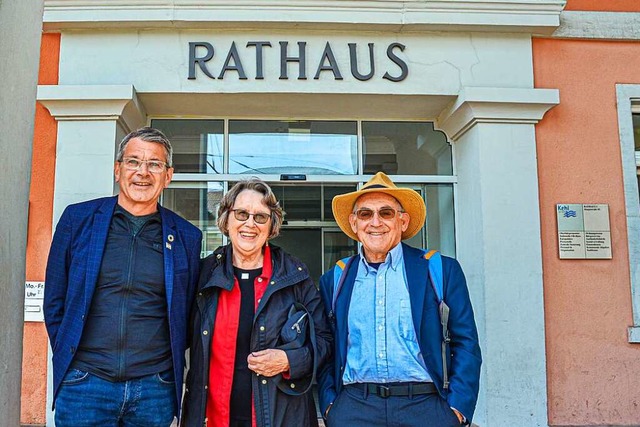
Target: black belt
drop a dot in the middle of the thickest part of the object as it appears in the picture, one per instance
(402, 389)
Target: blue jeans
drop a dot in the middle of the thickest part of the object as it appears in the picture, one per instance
(86, 400)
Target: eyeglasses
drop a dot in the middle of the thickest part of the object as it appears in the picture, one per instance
(258, 218)
(153, 166)
(366, 214)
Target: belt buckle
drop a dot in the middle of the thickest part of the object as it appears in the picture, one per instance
(384, 391)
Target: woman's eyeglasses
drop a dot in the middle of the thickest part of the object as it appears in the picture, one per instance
(365, 214)
(258, 218)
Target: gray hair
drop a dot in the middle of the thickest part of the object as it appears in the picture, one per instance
(268, 198)
(147, 134)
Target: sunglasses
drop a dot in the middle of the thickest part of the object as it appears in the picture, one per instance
(365, 214)
(258, 218)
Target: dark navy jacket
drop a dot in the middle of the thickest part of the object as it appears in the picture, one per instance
(464, 358)
(126, 332)
(290, 283)
(72, 273)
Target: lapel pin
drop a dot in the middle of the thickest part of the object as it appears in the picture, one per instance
(168, 245)
(170, 237)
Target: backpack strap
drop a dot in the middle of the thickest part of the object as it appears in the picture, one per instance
(342, 265)
(437, 282)
(435, 272)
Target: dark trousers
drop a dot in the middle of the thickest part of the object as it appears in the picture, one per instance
(357, 408)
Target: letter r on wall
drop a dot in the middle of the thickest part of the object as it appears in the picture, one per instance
(201, 61)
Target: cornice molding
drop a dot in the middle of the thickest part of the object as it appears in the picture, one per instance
(599, 25)
(93, 103)
(528, 16)
(495, 105)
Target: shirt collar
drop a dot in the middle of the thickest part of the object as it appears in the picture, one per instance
(120, 211)
(393, 259)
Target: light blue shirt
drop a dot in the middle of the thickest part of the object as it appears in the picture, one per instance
(382, 346)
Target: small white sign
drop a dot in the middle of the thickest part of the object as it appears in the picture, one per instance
(571, 245)
(596, 217)
(33, 300)
(598, 244)
(584, 231)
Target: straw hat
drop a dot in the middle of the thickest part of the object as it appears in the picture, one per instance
(410, 200)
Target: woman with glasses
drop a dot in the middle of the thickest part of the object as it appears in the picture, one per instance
(246, 293)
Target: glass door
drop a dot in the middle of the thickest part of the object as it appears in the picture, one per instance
(307, 163)
(309, 232)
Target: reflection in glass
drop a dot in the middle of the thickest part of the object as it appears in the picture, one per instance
(337, 246)
(636, 137)
(198, 206)
(438, 232)
(309, 202)
(405, 148)
(329, 194)
(258, 147)
(197, 144)
(304, 147)
(440, 218)
(306, 245)
(299, 202)
(636, 130)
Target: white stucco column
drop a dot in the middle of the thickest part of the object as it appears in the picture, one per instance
(498, 245)
(91, 122)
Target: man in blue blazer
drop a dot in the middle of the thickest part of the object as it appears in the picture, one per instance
(120, 280)
(387, 367)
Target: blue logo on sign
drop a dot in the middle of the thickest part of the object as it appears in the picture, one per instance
(570, 213)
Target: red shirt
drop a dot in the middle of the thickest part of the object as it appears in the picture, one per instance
(223, 347)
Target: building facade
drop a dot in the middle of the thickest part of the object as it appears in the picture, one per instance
(497, 112)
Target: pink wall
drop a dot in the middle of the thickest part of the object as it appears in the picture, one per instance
(593, 372)
(35, 340)
(604, 5)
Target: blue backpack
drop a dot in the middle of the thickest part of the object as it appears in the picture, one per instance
(437, 282)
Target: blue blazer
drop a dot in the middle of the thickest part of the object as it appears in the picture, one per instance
(72, 273)
(465, 360)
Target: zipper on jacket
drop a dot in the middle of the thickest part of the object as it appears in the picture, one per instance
(125, 301)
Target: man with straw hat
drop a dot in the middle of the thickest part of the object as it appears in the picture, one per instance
(397, 360)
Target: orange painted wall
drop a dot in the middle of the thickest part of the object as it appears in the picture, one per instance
(34, 361)
(592, 369)
(604, 5)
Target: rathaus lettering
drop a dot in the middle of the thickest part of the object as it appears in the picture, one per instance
(393, 68)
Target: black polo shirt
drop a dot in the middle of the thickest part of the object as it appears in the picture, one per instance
(126, 332)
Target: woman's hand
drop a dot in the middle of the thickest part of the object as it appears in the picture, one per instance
(268, 362)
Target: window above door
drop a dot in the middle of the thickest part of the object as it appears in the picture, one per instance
(314, 148)
(331, 156)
